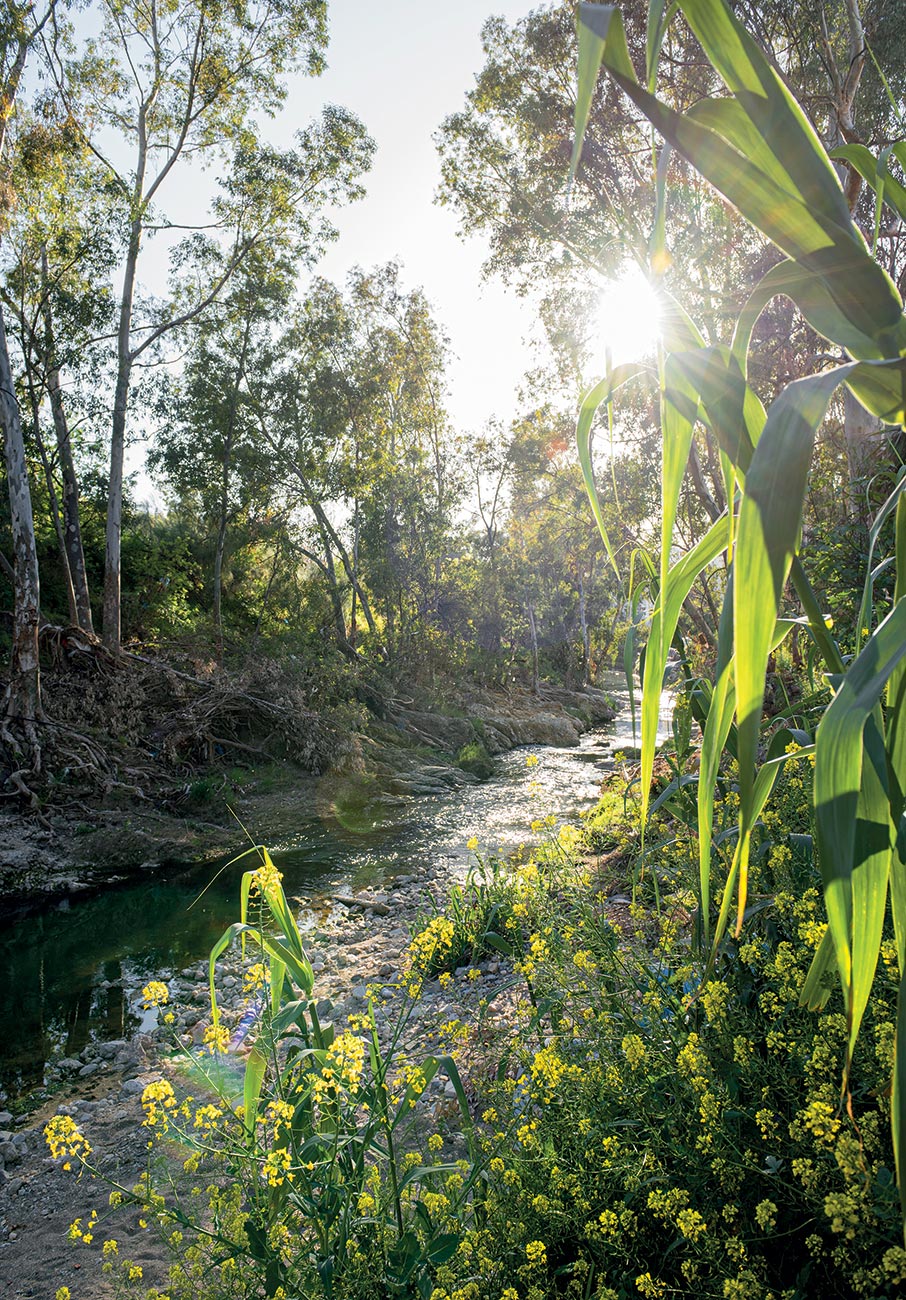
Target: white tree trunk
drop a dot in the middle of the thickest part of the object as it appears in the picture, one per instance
(24, 696)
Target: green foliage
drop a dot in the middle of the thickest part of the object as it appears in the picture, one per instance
(318, 1186)
(474, 758)
(757, 148)
(473, 924)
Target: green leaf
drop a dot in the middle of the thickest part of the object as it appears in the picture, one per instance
(852, 836)
(896, 751)
(255, 1067)
(659, 15)
(876, 172)
(794, 197)
(663, 625)
(898, 1096)
(602, 392)
(769, 521)
(810, 295)
(816, 989)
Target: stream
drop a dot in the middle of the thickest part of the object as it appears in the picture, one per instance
(74, 972)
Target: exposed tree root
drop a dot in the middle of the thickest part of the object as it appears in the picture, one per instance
(131, 725)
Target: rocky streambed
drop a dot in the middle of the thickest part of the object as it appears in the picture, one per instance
(356, 914)
(359, 943)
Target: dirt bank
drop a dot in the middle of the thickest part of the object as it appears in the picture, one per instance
(81, 839)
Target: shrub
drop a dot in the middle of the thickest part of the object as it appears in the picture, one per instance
(474, 758)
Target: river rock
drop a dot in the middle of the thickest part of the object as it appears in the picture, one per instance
(107, 1051)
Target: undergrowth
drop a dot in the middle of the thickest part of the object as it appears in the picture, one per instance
(645, 1126)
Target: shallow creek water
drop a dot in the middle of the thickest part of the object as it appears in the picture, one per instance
(74, 972)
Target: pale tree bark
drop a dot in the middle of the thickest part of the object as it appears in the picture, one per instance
(23, 699)
(327, 567)
(533, 633)
(52, 497)
(583, 624)
(332, 538)
(72, 526)
(225, 488)
(844, 76)
(865, 437)
(124, 363)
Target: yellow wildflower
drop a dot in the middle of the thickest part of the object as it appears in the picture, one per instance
(64, 1138)
(155, 994)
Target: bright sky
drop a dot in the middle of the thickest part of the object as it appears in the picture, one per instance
(402, 66)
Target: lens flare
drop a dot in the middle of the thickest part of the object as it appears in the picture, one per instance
(627, 317)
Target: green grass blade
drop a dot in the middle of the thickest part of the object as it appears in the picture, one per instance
(277, 977)
(810, 295)
(839, 785)
(794, 153)
(797, 202)
(870, 871)
(714, 738)
(663, 625)
(734, 411)
(898, 1096)
(769, 521)
(767, 778)
(659, 15)
(255, 1068)
(220, 947)
(601, 393)
(876, 173)
(817, 988)
(896, 750)
(863, 622)
(881, 388)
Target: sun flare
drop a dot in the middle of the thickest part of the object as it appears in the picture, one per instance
(627, 317)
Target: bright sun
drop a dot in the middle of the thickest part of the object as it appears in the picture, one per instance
(627, 318)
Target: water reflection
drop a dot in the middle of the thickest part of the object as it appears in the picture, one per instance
(75, 972)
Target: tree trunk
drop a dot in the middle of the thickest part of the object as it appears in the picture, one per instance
(54, 502)
(864, 436)
(113, 556)
(583, 624)
(533, 630)
(330, 532)
(24, 696)
(336, 598)
(265, 601)
(72, 526)
(218, 585)
(225, 487)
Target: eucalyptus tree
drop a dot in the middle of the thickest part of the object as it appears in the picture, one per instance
(503, 161)
(503, 172)
(168, 82)
(406, 468)
(60, 249)
(20, 27)
(355, 419)
(208, 449)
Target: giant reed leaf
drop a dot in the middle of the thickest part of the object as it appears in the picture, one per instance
(788, 191)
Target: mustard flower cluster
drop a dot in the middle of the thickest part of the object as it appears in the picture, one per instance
(66, 1140)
